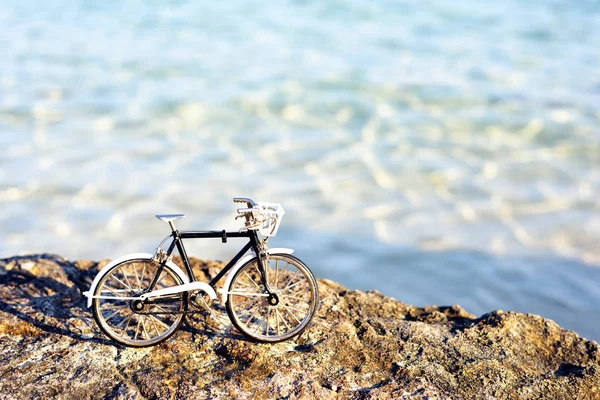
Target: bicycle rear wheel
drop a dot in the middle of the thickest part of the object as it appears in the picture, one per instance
(131, 324)
(279, 317)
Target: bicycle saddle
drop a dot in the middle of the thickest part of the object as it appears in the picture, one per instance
(169, 217)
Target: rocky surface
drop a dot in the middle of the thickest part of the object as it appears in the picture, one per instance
(360, 345)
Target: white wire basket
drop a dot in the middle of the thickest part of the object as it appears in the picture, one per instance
(269, 216)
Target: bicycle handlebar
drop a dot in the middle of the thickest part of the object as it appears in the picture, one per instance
(249, 202)
(263, 217)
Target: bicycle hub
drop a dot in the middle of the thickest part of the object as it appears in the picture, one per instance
(273, 299)
(137, 305)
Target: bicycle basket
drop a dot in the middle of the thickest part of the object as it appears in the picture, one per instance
(272, 213)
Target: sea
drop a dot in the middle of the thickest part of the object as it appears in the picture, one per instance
(438, 152)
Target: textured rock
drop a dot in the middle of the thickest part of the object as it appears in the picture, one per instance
(360, 345)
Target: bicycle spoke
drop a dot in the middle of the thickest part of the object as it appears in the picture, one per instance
(113, 292)
(163, 319)
(109, 307)
(255, 284)
(248, 294)
(159, 321)
(289, 287)
(161, 277)
(287, 296)
(246, 300)
(164, 313)
(136, 276)
(285, 269)
(136, 328)
(247, 285)
(125, 319)
(112, 315)
(295, 309)
(162, 307)
(290, 281)
(276, 272)
(259, 325)
(121, 282)
(248, 311)
(167, 315)
(144, 327)
(282, 319)
(126, 279)
(291, 313)
(114, 289)
(302, 311)
(154, 325)
(268, 313)
(253, 315)
(143, 273)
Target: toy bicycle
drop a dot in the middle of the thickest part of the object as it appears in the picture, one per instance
(141, 299)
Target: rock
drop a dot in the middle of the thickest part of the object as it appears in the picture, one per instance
(360, 345)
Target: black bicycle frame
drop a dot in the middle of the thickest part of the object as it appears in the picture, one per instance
(178, 237)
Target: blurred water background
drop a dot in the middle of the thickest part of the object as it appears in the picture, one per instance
(439, 152)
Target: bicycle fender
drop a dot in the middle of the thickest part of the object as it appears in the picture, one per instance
(249, 256)
(128, 257)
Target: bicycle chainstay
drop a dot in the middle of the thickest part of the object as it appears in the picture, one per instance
(171, 312)
(205, 309)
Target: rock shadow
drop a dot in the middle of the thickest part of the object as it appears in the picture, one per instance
(45, 291)
(197, 324)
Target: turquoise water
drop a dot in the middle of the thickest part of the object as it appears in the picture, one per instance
(439, 153)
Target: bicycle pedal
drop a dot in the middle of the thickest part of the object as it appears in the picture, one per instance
(199, 301)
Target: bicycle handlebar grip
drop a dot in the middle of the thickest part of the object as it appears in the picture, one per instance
(246, 200)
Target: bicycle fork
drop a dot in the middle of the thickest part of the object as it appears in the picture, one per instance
(263, 257)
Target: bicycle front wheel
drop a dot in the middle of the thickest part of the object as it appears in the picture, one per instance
(281, 316)
(137, 324)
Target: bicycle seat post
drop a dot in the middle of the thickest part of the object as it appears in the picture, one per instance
(170, 218)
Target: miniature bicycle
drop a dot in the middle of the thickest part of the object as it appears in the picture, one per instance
(140, 299)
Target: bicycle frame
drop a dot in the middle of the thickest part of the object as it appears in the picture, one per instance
(178, 237)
